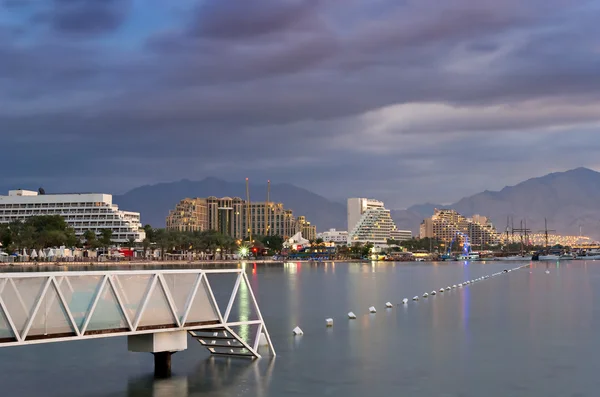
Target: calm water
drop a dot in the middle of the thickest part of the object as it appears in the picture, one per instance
(525, 333)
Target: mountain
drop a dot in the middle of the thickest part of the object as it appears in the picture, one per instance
(155, 201)
(569, 200)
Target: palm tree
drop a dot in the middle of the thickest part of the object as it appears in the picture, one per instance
(106, 238)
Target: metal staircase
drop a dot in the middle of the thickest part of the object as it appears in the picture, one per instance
(223, 342)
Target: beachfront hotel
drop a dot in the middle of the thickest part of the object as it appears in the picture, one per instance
(230, 216)
(370, 222)
(81, 211)
(447, 225)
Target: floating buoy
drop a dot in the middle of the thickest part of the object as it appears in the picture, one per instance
(441, 290)
(547, 271)
(433, 292)
(405, 301)
(459, 285)
(351, 316)
(298, 331)
(448, 288)
(389, 305)
(454, 286)
(329, 322)
(415, 298)
(372, 309)
(425, 295)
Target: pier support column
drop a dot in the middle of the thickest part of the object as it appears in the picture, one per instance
(162, 345)
(162, 364)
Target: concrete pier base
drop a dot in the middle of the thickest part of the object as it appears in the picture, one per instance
(162, 345)
(162, 364)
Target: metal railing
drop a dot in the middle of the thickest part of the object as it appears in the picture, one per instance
(61, 306)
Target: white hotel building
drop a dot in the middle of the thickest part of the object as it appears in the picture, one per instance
(370, 222)
(86, 211)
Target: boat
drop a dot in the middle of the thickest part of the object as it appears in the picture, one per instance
(589, 255)
(514, 258)
(471, 256)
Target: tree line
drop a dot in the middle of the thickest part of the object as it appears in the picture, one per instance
(47, 231)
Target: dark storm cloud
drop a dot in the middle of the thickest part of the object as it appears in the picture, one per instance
(244, 19)
(88, 16)
(374, 94)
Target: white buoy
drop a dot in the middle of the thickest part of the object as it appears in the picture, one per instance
(547, 271)
(433, 292)
(459, 285)
(329, 322)
(405, 301)
(351, 316)
(454, 286)
(425, 295)
(298, 331)
(389, 305)
(441, 290)
(415, 298)
(372, 309)
(262, 339)
(448, 288)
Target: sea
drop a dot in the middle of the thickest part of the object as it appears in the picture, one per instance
(530, 332)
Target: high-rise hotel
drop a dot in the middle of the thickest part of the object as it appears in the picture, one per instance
(448, 225)
(231, 216)
(82, 212)
(370, 222)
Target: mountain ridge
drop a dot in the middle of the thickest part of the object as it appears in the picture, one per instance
(318, 210)
(567, 199)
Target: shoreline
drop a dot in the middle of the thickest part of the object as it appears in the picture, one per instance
(157, 264)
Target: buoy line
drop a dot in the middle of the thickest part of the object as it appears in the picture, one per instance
(351, 316)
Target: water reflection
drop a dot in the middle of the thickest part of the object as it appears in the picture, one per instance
(213, 377)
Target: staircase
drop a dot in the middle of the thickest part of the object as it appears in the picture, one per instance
(221, 341)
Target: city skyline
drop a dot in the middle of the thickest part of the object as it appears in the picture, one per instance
(138, 93)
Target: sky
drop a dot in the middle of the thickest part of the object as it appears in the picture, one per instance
(408, 101)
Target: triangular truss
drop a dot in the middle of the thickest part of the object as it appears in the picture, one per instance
(61, 306)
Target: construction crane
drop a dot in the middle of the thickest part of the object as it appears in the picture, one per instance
(268, 209)
(248, 211)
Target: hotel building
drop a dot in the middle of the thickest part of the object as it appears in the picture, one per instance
(82, 212)
(334, 236)
(230, 216)
(308, 231)
(189, 215)
(370, 222)
(448, 225)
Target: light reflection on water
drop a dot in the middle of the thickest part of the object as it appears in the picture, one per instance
(526, 333)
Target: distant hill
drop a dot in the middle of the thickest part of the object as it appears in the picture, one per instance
(567, 199)
(155, 201)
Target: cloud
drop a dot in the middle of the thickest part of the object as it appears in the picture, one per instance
(372, 95)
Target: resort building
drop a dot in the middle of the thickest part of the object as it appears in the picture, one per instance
(189, 215)
(236, 218)
(308, 231)
(334, 236)
(227, 216)
(448, 225)
(401, 235)
(369, 222)
(81, 211)
(357, 207)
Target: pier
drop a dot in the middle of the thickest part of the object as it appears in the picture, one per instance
(154, 309)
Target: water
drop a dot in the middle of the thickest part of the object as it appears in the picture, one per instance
(525, 333)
